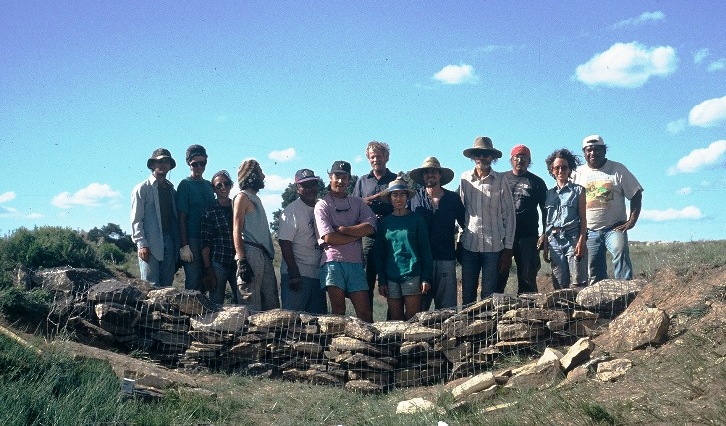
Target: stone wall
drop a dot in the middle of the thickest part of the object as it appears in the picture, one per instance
(184, 329)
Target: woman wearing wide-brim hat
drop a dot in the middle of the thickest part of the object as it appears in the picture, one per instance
(403, 255)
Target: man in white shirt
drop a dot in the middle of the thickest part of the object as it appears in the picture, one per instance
(607, 184)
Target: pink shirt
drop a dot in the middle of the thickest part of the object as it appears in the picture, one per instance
(330, 213)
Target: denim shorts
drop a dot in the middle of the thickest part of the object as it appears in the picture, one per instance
(349, 277)
(410, 287)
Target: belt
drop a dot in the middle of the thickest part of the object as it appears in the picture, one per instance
(560, 229)
(261, 247)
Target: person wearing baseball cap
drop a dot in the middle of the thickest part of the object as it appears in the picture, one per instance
(341, 221)
(442, 210)
(488, 236)
(300, 268)
(154, 222)
(193, 196)
(607, 185)
(528, 193)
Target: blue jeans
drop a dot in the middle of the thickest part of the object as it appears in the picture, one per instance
(566, 269)
(309, 297)
(617, 244)
(472, 263)
(193, 271)
(160, 273)
(224, 276)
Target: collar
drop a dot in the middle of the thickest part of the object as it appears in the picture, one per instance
(474, 178)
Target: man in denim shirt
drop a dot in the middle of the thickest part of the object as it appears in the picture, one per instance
(154, 226)
(442, 210)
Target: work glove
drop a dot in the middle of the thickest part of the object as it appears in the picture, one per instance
(244, 271)
(185, 253)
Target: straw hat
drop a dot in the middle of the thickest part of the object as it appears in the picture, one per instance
(447, 175)
(399, 184)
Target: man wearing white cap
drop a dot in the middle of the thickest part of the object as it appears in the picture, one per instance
(607, 184)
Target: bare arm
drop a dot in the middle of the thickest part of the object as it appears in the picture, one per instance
(241, 206)
(635, 206)
(359, 231)
(338, 238)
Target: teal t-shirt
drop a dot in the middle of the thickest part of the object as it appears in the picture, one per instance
(192, 198)
(402, 248)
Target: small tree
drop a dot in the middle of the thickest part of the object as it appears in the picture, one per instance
(112, 233)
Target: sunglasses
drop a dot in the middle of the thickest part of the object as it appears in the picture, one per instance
(337, 209)
(198, 164)
(223, 185)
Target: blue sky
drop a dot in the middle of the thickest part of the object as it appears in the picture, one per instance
(89, 89)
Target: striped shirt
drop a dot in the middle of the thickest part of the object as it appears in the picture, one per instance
(490, 217)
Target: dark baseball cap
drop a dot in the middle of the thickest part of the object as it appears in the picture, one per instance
(305, 175)
(340, 166)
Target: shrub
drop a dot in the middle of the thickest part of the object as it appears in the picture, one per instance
(48, 247)
(16, 304)
(110, 252)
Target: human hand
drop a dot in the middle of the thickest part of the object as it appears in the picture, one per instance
(209, 280)
(383, 290)
(505, 260)
(425, 287)
(294, 281)
(144, 254)
(244, 271)
(185, 254)
(542, 242)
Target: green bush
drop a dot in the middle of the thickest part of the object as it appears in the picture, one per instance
(110, 252)
(16, 303)
(48, 247)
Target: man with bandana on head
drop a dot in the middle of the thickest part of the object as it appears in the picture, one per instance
(254, 251)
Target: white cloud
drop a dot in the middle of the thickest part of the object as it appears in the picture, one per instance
(627, 65)
(708, 113)
(456, 74)
(684, 191)
(8, 211)
(276, 183)
(283, 155)
(644, 17)
(705, 183)
(700, 158)
(699, 56)
(358, 159)
(8, 196)
(686, 213)
(717, 65)
(36, 216)
(676, 126)
(93, 195)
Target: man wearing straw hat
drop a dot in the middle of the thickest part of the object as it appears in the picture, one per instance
(490, 221)
(442, 210)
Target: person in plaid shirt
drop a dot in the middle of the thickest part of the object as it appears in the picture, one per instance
(217, 245)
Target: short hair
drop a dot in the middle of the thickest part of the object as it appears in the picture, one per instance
(572, 160)
(378, 146)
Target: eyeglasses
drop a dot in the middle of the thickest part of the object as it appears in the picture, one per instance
(339, 209)
(560, 167)
(223, 185)
(198, 164)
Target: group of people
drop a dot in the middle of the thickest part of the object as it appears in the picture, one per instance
(384, 232)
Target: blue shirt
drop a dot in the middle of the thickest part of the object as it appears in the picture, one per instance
(192, 198)
(442, 222)
(563, 207)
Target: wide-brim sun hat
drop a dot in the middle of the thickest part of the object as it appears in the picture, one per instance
(483, 143)
(160, 154)
(447, 175)
(401, 183)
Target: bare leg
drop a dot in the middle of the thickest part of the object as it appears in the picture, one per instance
(413, 305)
(337, 300)
(395, 309)
(361, 304)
